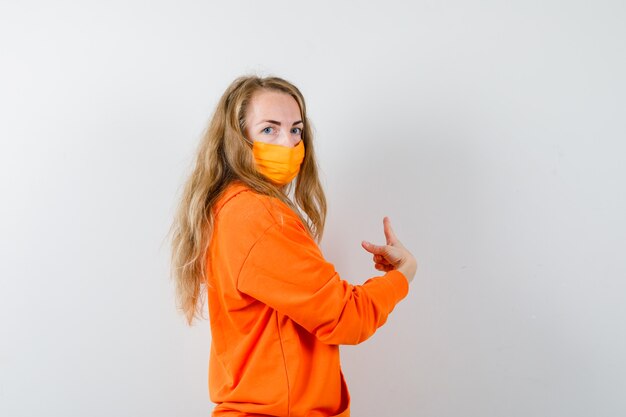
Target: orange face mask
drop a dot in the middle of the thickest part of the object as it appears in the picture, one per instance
(279, 163)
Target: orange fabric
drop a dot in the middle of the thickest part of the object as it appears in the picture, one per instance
(279, 310)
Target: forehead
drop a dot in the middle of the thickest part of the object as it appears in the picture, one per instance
(276, 105)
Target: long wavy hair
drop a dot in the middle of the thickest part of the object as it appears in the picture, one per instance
(223, 156)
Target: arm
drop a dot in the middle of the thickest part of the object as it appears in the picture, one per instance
(286, 270)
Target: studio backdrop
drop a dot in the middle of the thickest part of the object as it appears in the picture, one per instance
(491, 133)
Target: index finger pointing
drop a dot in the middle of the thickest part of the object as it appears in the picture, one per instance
(375, 249)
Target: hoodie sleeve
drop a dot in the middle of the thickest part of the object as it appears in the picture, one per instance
(285, 269)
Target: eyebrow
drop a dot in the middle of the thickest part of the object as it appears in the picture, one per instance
(278, 123)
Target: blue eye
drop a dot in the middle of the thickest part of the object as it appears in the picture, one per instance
(299, 132)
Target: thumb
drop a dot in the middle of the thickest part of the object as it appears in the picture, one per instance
(390, 235)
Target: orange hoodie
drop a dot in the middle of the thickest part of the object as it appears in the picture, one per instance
(279, 310)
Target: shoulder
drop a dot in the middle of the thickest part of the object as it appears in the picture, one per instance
(241, 207)
(249, 222)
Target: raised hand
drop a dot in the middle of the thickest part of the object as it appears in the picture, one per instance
(393, 255)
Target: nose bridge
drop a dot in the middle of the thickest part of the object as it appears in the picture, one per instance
(287, 138)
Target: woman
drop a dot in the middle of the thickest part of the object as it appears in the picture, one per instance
(278, 310)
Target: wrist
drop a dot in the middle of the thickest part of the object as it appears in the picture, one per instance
(408, 268)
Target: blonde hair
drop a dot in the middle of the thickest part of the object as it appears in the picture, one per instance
(223, 156)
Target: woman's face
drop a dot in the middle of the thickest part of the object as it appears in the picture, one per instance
(273, 117)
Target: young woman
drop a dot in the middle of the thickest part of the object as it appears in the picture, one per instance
(278, 310)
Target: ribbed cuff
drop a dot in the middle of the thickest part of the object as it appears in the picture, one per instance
(400, 283)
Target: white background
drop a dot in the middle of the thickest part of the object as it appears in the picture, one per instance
(491, 133)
